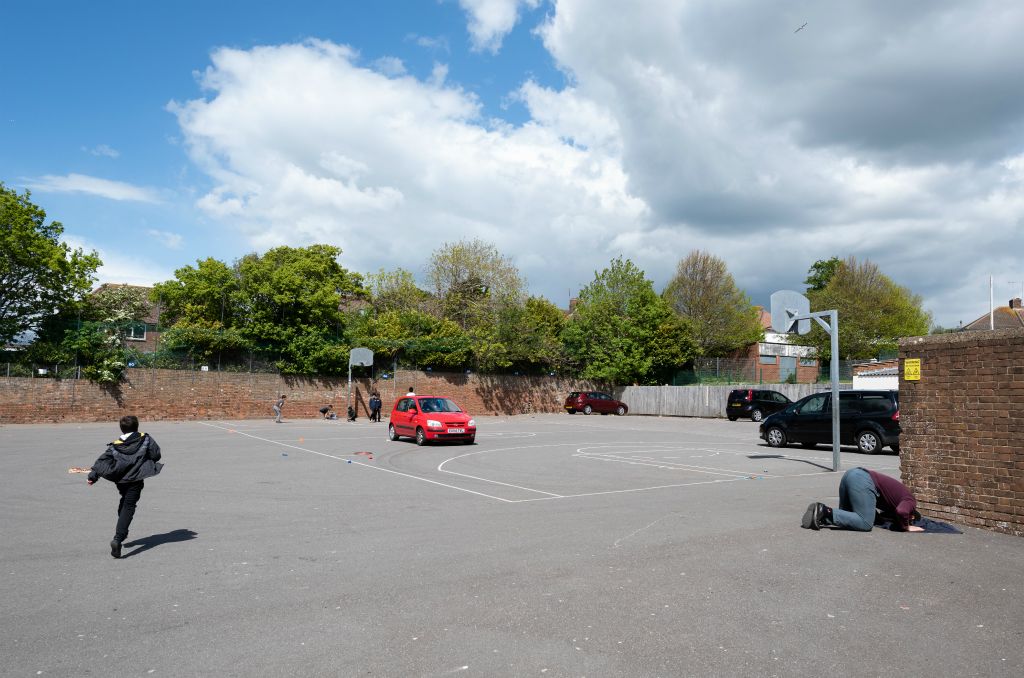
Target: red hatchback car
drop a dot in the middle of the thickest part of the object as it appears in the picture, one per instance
(594, 401)
(427, 418)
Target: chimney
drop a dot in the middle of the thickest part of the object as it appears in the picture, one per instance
(574, 301)
(1015, 303)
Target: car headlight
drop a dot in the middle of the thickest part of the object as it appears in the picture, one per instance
(472, 422)
(431, 423)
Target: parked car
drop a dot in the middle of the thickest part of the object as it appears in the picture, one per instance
(754, 403)
(868, 419)
(594, 401)
(429, 418)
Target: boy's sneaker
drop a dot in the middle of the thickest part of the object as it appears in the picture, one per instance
(115, 548)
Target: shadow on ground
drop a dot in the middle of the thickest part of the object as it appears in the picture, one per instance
(152, 540)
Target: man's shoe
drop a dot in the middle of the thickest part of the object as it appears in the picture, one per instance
(115, 548)
(811, 519)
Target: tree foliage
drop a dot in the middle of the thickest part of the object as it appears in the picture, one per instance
(472, 282)
(704, 293)
(39, 273)
(287, 302)
(622, 332)
(821, 272)
(874, 312)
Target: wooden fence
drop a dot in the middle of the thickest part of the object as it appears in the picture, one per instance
(702, 400)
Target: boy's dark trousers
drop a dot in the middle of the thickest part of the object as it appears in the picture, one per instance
(130, 493)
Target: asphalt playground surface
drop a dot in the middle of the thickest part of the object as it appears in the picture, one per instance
(556, 546)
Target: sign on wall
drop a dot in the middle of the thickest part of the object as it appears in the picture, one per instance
(912, 369)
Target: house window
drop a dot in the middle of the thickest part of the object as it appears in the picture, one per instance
(808, 362)
(767, 360)
(136, 332)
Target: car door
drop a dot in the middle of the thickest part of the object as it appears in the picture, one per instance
(403, 417)
(808, 424)
(605, 403)
(777, 401)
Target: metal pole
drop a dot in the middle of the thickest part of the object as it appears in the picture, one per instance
(833, 317)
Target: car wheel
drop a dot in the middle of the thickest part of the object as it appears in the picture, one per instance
(776, 437)
(731, 418)
(756, 415)
(621, 411)
(895, 448)
(469, 441)
(391, 432)
(421, 437)
(587, 409)
(571, 411)
(868, 442)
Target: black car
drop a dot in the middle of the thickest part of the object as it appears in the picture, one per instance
(868, 419)
(754, 403)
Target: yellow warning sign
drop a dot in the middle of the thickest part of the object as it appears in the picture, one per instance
(912, 369)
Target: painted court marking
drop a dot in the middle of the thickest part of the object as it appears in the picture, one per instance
(730, 475)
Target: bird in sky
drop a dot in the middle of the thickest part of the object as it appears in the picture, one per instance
(801, 28)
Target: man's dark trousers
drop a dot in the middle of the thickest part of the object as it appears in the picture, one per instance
(130, 493)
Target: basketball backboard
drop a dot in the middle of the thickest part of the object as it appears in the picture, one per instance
(360, 356)
(786, 306)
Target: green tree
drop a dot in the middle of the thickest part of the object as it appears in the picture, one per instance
(287, 302)
(874, 312)
(39, 273)
(473, 282)
(704, 293)
(531, 336)
(821, 272)
(396, 291)
(622, 332)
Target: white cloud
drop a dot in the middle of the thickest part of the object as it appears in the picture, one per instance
(103, 150)
(168, 239)
(491, 20)
(390, 66)
(391, 168)
(880, 130)
(81, 183)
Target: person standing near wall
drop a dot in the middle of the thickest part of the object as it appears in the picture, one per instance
(278, 406)
(375, 404)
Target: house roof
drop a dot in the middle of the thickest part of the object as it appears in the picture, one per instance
(1006, 317)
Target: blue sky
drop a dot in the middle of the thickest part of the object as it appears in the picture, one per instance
(566, 132)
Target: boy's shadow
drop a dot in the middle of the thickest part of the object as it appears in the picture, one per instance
(152, 540)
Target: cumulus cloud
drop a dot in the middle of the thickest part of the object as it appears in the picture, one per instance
(305, 145)
(81, 183)
(890, 131)
(491, 20)
(882, 130)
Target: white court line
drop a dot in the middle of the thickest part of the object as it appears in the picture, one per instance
(359, 463)
(664, 465)
(659, 487)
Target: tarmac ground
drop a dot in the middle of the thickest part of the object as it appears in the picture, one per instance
(556, 546)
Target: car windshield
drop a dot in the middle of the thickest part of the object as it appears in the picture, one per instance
(438, 405)
(574, 394)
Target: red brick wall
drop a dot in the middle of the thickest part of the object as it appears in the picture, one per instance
(963, 427)
(180, 395)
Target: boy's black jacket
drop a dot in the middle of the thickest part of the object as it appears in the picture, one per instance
(128, 461)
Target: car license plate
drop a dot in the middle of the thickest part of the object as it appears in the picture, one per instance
(737, 404)
(456, 430)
